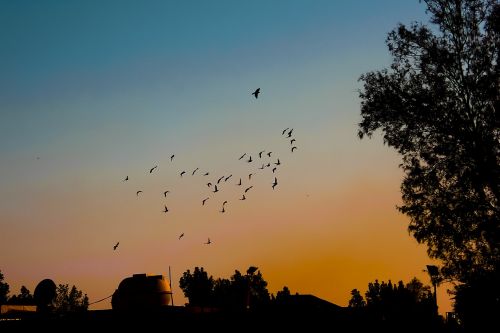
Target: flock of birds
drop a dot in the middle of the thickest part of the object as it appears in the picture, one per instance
(216, 185)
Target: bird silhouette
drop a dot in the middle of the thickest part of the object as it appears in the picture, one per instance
(208, 242)
(206, 174)
(262, 167)
(165, 193)
(242, 156)
(227, 178)
(223, 210)
(151, 170)
(269, 154)
(182, 173)
(172, 157)
(239, 183)
(275, 182)
(268, 165)
(256, 93)
(284, 131)
(137, 193)
(274, 169)
(248, 189)
(243, 197)
(203, 202)
(209, 184)
(216, 190)
(250, 176)
(225, 202)
(250, 160)
(165, 210)
(218, 180)
(260, 153)
(278, 163)
(290, 133)
(194, 171)
(293, 148)
(116, 246)
(126, 178)
(181, 235)
(292, 141)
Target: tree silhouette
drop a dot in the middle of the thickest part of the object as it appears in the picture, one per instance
(356, 301)
(197, 287)
(24, 297)
(70, 300)
(4, 289)
(438, 106)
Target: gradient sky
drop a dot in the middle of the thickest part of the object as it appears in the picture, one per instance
(93, 91)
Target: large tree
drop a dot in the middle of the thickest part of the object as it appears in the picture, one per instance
(4, 290)
(438, 106)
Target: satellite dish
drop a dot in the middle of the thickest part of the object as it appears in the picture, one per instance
(44, 295)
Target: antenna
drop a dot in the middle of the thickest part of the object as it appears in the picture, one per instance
(170, 282)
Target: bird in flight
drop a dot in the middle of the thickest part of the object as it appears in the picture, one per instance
(165, 193)
(126, 178)
(137, 193)
(290, 133)
(218, 180)
(209, 184)
(216, 190)
(243, 197)
(116, 246)
(242, 156)
(269, 154)
(275, 182)
(286, 129)
(182, 235)
(293, 148)
(227, 178)
(203, 202)
(292, 141)
(260, 153)
(250, 176)
(278, 163)
(224, 203)
(172, 157)
(248, 189)
(256, 93)
(239, 184)
(223, 210)
(194, 171)
(206, 174)
(165, 210)
(182, 173)
(250, 159)
(268, 165)
(274, 169)
(151, 170)
(208, 242)
(262, 167)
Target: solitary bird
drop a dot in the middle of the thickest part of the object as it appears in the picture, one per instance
(275, 182)
(250, 176)
(274, 169)
(243, 197)
(292, 141)
(225, 202)
(286, 129)
(290, 133)
(216, 190)
(206, 174)
(172, 157)
(262, 167)
(260, 153)
(165, 210)
(194, 171)
(269, 154)
(293, 148)
(151, 170)
(218, 180)
(223, 210)
(242, 156)
(165, 193)
(126, 178)
(182, 235)
(268, 165)
(137, 193)
(239, 184)
(203, 202)
(227, 178)
(182, 173)
(116, 245)
(208, 242)
(256, 93)
(209, 184)
(248, 189)
(278, 163)
(250, 160)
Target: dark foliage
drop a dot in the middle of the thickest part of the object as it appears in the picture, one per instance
(24, 298)
(4, 289)
(70, 300)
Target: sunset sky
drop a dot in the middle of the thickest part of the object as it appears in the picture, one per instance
(94, 91)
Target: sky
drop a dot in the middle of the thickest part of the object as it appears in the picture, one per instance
(94, 91)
